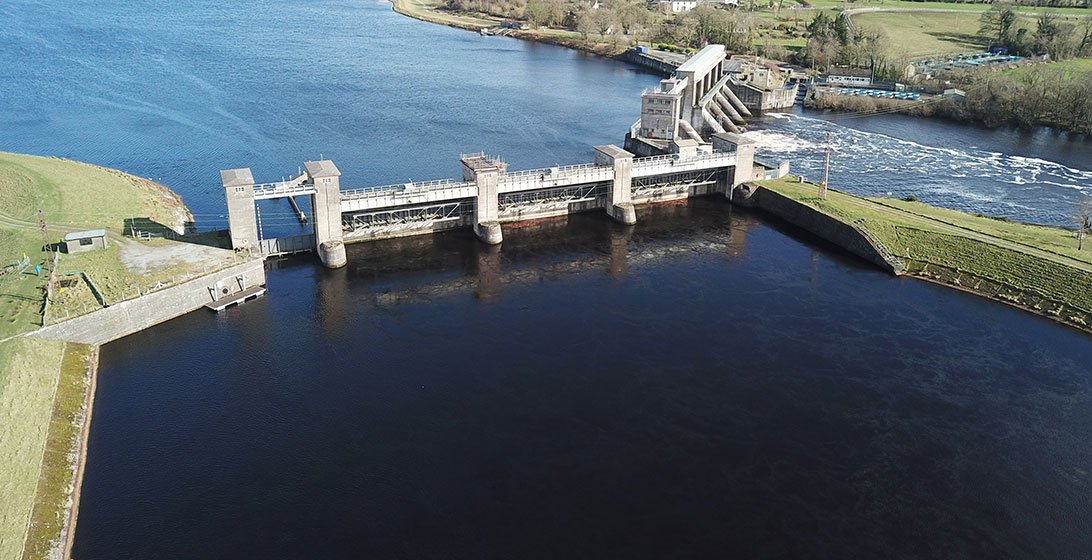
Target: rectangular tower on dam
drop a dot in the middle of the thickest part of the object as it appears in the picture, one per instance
(239, 192)
(326, 207)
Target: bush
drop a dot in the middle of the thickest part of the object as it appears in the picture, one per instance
(911, 198)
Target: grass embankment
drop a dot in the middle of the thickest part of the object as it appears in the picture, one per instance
(72, 196)
(29, 373)
(44, 384)
(61, 466)
(1035, 267)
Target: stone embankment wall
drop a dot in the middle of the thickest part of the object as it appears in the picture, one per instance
(818, 223)
(133, 315)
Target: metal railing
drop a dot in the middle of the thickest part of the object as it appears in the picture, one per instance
(550, 171)
(406, 189)
(282, 188)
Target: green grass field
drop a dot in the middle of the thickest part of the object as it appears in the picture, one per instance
(29, 372)
(1037, 259)
(925, 34)
(1077, 68)
(942, 6)
(72, 196)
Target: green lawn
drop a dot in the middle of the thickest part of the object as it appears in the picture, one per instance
(1055, 240)
(1075, 68)
(930, 34)
(942, 6)
(79, 195)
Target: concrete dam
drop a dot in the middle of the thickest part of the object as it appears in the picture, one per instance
(486, 195)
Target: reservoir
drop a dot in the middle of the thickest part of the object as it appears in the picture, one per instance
(708, 383)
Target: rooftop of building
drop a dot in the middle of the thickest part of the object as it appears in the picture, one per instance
(237, 177)
(89, 234)
(321, 168)
(705, 59)
(851, 72)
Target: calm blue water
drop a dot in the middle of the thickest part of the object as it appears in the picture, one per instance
(709, 383)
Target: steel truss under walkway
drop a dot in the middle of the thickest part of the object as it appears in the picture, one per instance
(675, 182)
(571, 193)
(396, 219)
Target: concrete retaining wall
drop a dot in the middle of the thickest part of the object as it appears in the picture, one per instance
(819, 224)
(633, 57)
(130, 316)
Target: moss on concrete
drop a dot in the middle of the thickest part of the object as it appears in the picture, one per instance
(51, 521)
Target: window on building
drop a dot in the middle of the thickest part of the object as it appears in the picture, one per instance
(86, 241)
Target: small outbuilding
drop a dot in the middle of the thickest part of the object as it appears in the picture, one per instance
(80, 241)
(849, 76)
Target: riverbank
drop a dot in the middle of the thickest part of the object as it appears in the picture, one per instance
(1036, 268)
(46, 375)
(428, 10)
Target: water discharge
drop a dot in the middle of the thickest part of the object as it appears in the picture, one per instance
(939, 168)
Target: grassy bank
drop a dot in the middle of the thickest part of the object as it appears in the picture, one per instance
(44, 384)
(432, 11)
(72, 196)
(29, 374)
(1035, 267)
(51, 522)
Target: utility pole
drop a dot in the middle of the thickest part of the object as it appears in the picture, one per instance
(45, 237)
(826, 171)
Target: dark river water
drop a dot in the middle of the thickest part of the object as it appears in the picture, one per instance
(708, 383)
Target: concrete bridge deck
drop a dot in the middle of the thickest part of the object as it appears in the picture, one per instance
(487, 195)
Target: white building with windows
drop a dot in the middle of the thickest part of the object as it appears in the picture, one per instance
(677, 6)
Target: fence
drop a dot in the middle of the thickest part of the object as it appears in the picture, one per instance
(16, 267)
(57, 312)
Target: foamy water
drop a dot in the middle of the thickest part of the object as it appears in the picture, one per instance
(966, 177)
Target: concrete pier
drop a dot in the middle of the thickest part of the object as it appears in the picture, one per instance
(743, 170)
(620, 204)
(326, 208)
(485, 172)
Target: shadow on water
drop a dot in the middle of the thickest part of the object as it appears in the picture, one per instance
(701, 382)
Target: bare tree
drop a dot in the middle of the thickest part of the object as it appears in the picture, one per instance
(996, 23)
(1082, 218)
(584, 24)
